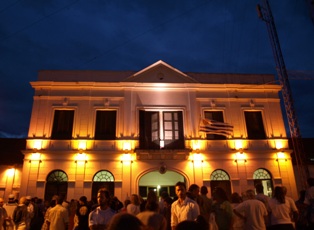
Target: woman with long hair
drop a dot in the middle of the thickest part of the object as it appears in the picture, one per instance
(222, 209)
(281, 207)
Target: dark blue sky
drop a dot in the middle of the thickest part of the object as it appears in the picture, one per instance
(192, 36)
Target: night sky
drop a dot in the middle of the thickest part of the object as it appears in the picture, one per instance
(212, 36)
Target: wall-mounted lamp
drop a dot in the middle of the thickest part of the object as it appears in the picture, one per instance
(37, 145)
(240, 156)
(281, 156)
(82, 146)
(196, 157)
(127, 158)
(35, 157)
(127, 146)
(81, 157)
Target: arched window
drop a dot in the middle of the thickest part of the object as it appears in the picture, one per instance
(262, 176)
(102, 179)
(220, 178)
(56, 184)
(57, 176)
(103, 176)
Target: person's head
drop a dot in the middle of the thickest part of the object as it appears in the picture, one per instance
(259, 188)
(284, 189)
(28, 200)
(126, 202)
(103, 197)
(57, 199)
(123, 220)
(180, 189)
(11, 198)
(1, 202)
(204, 190)
(219, 194)
(22, 200)
(168, 201)
(236, 198)
(164, 194)
(194, 189)
(250, 194)
(279, 194)
(135, 199)
(152, 201)
(83, 200)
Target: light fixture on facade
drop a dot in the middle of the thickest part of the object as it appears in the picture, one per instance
(35, 157)
(10, 172)
(82, 146)
(127, 146)
(81, 157)
(240, 156)
(281, 156)
(37, 144)
(126, 158)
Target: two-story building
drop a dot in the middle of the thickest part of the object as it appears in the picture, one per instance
(136, 131)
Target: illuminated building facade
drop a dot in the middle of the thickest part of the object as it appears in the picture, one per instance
(136, 131)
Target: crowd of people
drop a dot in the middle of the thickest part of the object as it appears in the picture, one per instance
(191, 208)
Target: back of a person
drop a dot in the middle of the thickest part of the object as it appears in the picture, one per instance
(58, 218)
(153, 220)
(256, 217)
(280, 212)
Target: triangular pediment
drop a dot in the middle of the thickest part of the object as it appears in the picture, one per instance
(160, 72)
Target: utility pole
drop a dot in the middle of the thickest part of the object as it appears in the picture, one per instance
(264, 13)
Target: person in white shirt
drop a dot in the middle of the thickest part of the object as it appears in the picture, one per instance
(183, 208)
(252, 211)
(281, 208)
(100, 217)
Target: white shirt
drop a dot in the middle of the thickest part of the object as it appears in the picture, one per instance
(188, 210)
(254, 211)
(280, 213)
(100, 217)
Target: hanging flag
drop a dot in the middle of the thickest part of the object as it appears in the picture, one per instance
(215, 127)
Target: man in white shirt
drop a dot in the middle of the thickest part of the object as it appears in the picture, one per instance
(184, 208)
(58, 217)
(101, 216)
(254, 212)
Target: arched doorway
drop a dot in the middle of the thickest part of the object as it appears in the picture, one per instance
(56, 184)
(264, 177)
(220, 178)
(159, 182)
(102, 179)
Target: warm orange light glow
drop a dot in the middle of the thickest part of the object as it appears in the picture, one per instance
(127, 158)
(35, 156)
(281, 156)
(197, 159)
(37, 144)
(81, 157)
(239, 156)
(238, 144)
(82, 145)
(279, 144)
(10, 172)
(196, 145)
(127, 146)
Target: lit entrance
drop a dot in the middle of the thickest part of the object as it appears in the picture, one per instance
(263, 176)
(159, 183)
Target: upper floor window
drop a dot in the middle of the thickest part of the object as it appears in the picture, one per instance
(216, 116)
(62, 124)
(161, 129)
(105, 125)
(254, 125)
